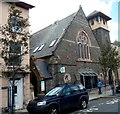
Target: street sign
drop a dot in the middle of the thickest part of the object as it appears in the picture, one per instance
(62, 69)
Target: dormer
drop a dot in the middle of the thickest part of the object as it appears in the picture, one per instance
(98, 20)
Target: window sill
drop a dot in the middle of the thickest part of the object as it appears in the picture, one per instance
(84, 60)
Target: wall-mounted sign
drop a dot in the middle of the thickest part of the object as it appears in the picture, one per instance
(62, 69)
(42, 85)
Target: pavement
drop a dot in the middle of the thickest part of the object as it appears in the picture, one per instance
(93, 95)
(106, 93)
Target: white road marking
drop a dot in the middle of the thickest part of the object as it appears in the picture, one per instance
(101, 103)
(95, 108)
(113, 101)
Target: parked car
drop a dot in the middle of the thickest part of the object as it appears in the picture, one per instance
(117, 89)
(60, 98)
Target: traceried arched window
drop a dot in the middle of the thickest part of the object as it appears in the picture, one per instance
(83, 45)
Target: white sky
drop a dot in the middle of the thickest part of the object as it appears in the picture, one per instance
(47, 12)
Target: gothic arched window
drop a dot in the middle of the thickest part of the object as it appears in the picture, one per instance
(83, 45)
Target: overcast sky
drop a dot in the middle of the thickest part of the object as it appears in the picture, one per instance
(47, 12)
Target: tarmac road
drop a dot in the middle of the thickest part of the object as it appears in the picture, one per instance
(103, 105)
(94, 99)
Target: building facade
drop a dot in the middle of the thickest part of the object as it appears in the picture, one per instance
(116, 74)
(22, 80)
(68, 51)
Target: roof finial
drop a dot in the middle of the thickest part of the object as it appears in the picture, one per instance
(80, 6)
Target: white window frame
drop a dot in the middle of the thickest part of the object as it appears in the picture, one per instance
(52, 43)
(41, 47)
(35, 49)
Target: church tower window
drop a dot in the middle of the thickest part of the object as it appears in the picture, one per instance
(92, 22)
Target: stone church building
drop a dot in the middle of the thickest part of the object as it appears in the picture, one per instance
(68, 51)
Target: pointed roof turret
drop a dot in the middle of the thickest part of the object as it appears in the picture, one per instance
(98, 13)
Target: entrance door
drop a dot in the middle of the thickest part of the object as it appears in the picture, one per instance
(18, 93)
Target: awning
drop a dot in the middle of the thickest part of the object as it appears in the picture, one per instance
(88, 73)
(42, 66)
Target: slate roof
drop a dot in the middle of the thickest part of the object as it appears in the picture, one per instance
(97, 13)
(117, 43)
(53, 32)
(42, 67)
(19, 3)
(47, 35)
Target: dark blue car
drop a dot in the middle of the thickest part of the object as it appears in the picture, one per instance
(60, 98)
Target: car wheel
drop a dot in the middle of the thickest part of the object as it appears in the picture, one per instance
(53, 110)
(83, 103)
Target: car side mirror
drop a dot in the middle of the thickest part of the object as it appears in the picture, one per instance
(62, 95)
(83, 89)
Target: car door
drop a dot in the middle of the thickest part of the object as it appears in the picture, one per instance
(75, 91)
(66, 98)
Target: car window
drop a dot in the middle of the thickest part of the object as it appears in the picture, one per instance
(81, 87)
(67, 91)
(54, 91)
(75, 89)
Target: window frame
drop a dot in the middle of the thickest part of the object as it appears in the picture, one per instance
(15, 24)
(83, 45)
(52, 43)
(41, 47)
(13, 54)
(35, 49)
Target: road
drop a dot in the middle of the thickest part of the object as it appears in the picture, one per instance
(102, 105)
(107, 105)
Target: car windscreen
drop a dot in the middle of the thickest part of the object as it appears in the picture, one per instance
(54, 92)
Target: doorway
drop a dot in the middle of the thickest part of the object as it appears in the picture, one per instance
(18, 93)
(34, 82)
(89, 79)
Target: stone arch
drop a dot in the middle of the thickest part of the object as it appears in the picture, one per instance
(35, 81)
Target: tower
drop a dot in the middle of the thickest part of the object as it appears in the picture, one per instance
(98, 22)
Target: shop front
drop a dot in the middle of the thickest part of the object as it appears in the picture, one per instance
(89, 79)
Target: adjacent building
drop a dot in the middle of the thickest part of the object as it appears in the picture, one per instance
(22, 80)
(116, 44)
(68, 51)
